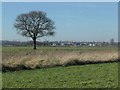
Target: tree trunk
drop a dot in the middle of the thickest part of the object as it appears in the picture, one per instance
(34, 43)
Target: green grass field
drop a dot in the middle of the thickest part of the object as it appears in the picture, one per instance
(84, 76)
(72, 48)
(53, 72)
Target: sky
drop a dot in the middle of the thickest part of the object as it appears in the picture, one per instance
(75, 21)
(0, 21)
(59, 0)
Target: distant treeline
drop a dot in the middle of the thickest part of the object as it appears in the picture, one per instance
(58, 43)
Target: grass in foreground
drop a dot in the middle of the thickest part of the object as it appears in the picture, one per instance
(84, 76)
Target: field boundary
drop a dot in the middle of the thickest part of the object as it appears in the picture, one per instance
(74, 62)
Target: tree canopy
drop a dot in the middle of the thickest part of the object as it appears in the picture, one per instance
(34, 24)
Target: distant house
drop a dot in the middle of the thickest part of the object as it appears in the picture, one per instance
(54, 44)
(91, 44)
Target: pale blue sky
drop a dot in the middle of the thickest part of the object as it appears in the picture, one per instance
(73, 21)
(60, 0)
(0, 21)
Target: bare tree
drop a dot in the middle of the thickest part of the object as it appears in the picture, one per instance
(34, 24)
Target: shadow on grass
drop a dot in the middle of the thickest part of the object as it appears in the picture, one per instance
(69, 63)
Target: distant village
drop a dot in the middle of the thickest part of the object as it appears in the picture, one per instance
(60, 43)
